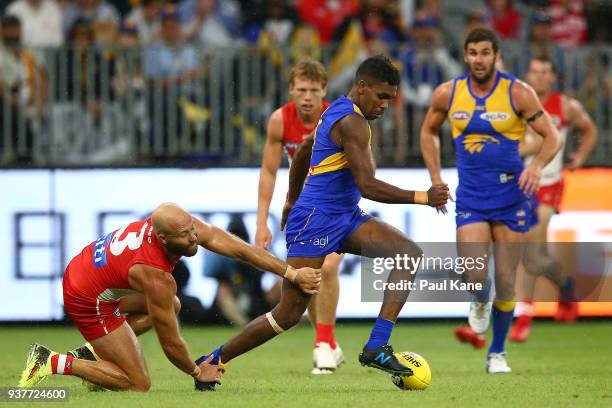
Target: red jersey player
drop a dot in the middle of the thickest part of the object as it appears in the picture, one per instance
(129, 270)
(287, 128)
(566, 113)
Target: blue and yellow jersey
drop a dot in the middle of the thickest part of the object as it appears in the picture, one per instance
(487, 132)
(330, 184)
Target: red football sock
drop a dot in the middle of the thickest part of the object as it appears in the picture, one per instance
(325, 334)
(61, 364)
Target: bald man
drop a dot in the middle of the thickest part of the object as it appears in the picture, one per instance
(121, 285)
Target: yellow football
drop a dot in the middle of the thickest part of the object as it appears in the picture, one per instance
(421, 372)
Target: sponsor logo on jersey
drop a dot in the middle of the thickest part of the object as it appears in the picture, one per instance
(495, 116)
(99, 250)
(461, 115)
(475, 143)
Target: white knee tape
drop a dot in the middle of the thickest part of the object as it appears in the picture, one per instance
(273, 323)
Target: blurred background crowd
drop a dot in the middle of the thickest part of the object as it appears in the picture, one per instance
(192, 82)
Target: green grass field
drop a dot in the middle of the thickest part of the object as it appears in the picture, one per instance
(560, 366)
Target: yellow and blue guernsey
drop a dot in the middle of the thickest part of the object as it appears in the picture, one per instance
(487, 132)
(327, 210)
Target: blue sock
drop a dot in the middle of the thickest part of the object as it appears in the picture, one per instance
(215, 360)
(501, 324)
(380, 333)
(482, 295)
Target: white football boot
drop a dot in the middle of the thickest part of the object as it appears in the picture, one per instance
(324, 359)
(479, 316)
(496, 363)
(338, 355)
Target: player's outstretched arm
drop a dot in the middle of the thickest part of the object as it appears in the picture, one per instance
(222, 242)
(430, 139)
(528, 105)
(159, 289)
(582, 123)
(271, 160)
(354, 136)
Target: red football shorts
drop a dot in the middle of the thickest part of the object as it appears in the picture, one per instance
(93, 317)
(551, 195)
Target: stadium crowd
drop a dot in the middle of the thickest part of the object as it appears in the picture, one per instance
(147, 69)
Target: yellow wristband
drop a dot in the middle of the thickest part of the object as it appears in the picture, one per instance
(290, 273)
(420, 197)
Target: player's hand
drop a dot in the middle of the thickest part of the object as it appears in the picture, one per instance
(437, 196)
(209, 372)
(263, 237)
(529, 181)
(308, 279)
(286, 210)
(575, 161)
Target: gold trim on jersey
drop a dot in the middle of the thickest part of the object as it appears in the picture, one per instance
(497, 111)
(334, 162)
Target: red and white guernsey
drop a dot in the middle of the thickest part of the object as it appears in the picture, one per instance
(553, 172)
(100, 271)
(294, 130)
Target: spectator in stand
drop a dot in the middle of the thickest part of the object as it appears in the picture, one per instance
(170, 61)
(23, 88)
(427, 62)
(226, 12)
(505, 19)
(89, 71)
(326, 15)
(377, 19)
(205, 28)
(569, 25)
(171, 67)
(41, 22)
(270, 25)
(540, 42)
(147, 21)
(376, 25)
(93, 10)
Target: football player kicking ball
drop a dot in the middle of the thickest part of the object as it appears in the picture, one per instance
(287, 128)
(326, 217)
(566, 113)
(129, 270)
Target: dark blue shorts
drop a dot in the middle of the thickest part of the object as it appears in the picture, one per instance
(518, 217)
(312, 232)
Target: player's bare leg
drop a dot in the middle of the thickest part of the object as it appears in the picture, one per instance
(122, 366)
(508, 253)
(473, 240)
(327, 354)
(539, 262)
(286, 314)
(388, 242)
(134, 307)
